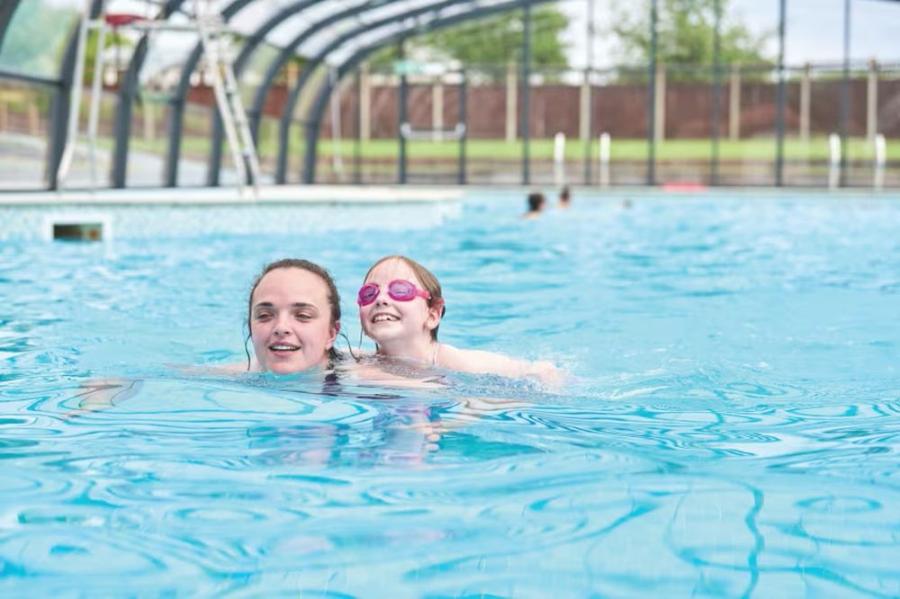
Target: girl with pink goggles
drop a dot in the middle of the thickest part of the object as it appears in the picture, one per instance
(400, 290)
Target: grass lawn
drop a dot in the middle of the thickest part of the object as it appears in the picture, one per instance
(757, 149)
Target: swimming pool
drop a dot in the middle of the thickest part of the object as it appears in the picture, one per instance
(732, 428)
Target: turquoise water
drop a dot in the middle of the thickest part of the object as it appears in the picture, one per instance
(732, 425)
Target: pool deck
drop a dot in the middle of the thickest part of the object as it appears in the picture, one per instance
(285, 195)
(267, 194)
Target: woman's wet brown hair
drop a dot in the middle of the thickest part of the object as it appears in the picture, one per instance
(425, 276)
(334, 298)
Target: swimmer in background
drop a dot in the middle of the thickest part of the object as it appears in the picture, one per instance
(401, 307)
(565, 198)
(536, 202)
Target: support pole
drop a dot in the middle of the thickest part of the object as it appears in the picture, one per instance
(401, 117)
(660, 108)
(779, 114)
(511, 103)
(872, 102)
(584, 123)
(717, 93)
(651, 99)
(587, 93)
(461, 173)
(805, 85)
(526, 75)
(437, 111)
(357, 142)
(845, 94)
(365, 103)
(734, 104)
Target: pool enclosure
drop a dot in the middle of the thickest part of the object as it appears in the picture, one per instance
(182, 93)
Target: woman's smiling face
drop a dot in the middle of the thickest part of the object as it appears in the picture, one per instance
(290, 321)
(387, 320)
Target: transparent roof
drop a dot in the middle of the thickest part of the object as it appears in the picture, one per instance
(41, 30)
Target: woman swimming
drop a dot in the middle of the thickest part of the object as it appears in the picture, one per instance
(400, 308)
(293, 317)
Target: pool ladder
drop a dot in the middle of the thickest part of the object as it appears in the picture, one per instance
(209, 25)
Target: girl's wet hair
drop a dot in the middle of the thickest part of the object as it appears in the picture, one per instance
(334, 298)
(428, 280)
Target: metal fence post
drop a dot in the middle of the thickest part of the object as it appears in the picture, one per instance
(651, 99)
(779, 114)
(526, 75)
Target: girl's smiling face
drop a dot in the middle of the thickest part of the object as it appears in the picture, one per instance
(388, 321)
(290, 321)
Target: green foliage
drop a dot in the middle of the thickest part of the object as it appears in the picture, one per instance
(113, 39)
(686, 33)
(494, 40)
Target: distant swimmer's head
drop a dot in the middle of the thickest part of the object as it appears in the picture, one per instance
(536, 203)
(565, 197)
(400, 300)
(294, 315)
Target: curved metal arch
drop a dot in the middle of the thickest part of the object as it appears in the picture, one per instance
(127, 93)
(217, 133)
(179, 99)
(318, 107)
(294, 96)
(286, 53)
(60, 105)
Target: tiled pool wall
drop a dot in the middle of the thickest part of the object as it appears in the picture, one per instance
(36, 222)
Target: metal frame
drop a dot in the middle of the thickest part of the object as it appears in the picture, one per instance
(59, 107)
(318, 106)
(127, 93)
(179, 99)
(254, 114)
(717, 94)
(651, 96)
(781, 98)
(524, 88)
(57, 128)
(313, 63)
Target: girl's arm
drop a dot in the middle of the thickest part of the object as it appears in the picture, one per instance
(483, 362)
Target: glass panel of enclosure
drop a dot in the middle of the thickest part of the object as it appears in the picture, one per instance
(747, 149)
(888, 123)
(38, 35)
(822, 145)
(152, 111)
(24, 119)
(862, 119)
(492, 151)
(619, 109)
(92, 162)
(684, 148)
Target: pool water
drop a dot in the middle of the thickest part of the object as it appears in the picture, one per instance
(731, 427)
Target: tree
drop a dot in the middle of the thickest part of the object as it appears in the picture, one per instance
(494, 40)
(686, 33)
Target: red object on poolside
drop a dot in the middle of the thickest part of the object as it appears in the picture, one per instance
(117, 19)
(684, 186)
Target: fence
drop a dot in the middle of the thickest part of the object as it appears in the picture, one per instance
(725, 134)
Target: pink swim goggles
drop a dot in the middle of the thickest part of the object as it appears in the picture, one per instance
(398, 289)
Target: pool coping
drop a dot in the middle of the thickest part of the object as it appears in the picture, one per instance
(381, 194)
(232, 196)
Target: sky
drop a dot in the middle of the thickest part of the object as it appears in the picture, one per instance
(814, 29)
